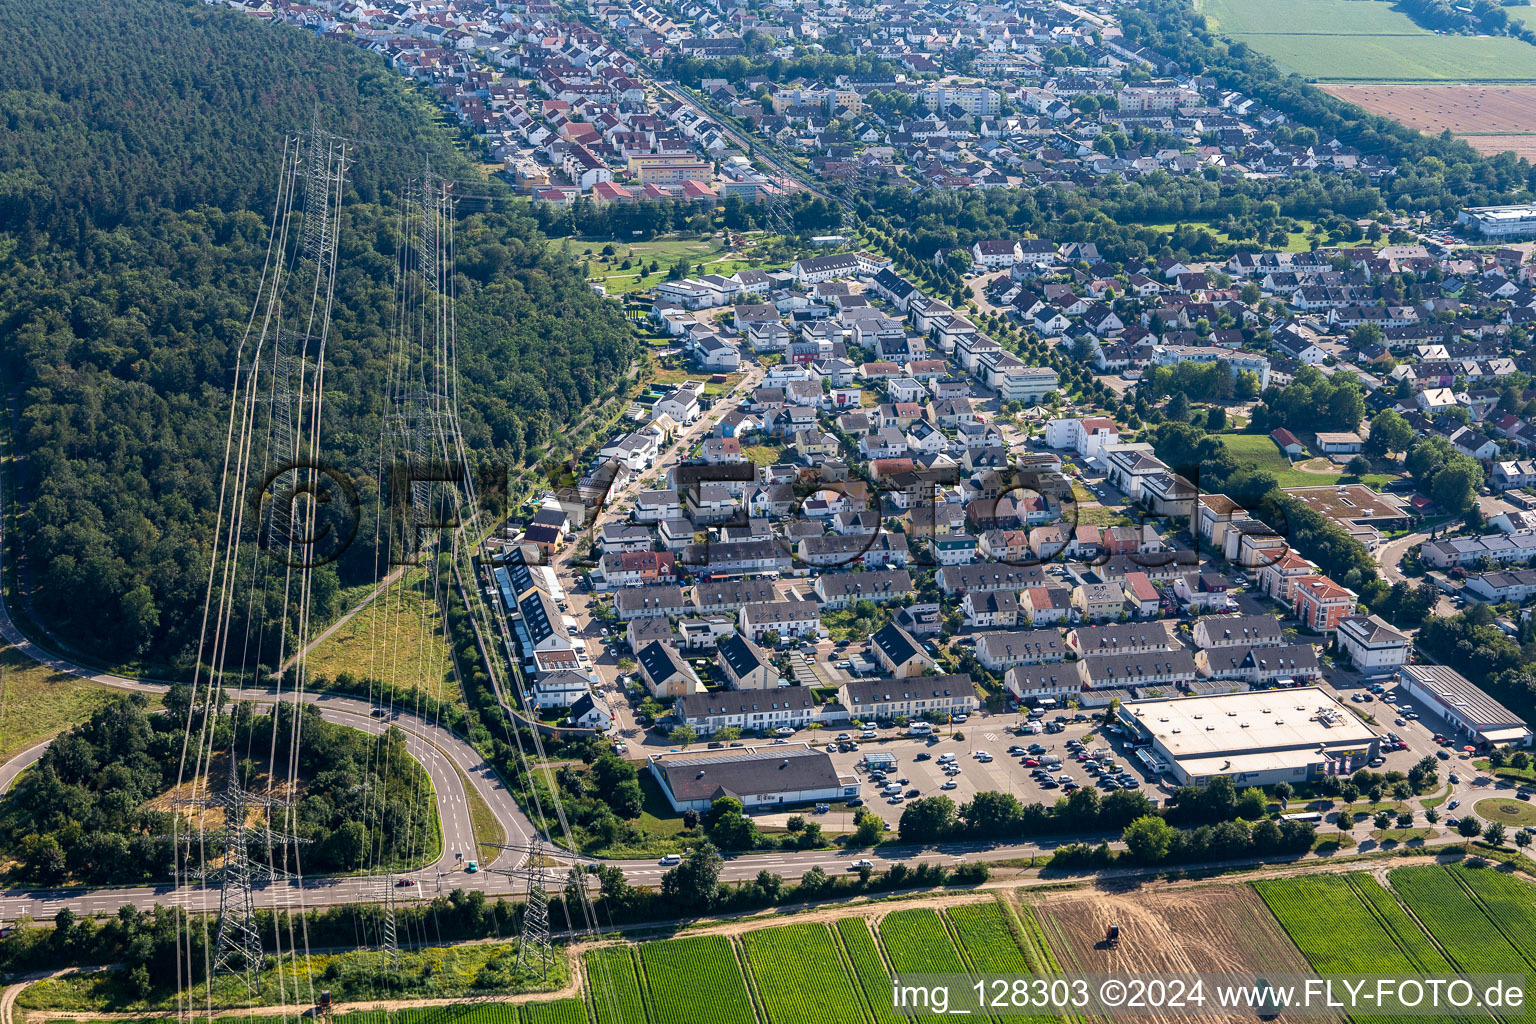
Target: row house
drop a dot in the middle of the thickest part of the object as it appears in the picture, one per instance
(786, 618)
(913, 698)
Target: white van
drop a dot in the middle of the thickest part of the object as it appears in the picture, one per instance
(671, 859)
(891, 788)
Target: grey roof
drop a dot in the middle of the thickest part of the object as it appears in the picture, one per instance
(642, 598)
(1369, 629)
(880, 582)
(1124, 669)
(1225, 630)
(541, 616)
(884, 691)
(756, 773)
(1282, 660)
(1040, 677)
(1116, 637)
(732, 593)
(769, 613)
(587, 702)
(1027, 645)
(989, 576)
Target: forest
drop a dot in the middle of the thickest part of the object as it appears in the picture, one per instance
(137, 176)
(88, 811)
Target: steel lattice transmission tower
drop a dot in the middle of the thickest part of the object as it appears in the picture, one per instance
(237, 946)
(322, 162)
(533, 949)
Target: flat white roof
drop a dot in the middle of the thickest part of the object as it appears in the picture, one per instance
(1259, 724)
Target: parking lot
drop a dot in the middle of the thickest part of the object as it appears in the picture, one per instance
(919, 762)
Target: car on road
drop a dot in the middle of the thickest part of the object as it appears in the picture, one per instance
(861, 864)
(1452, 822)
(401, 883)
(922, 755)
(1453, 805)
(1455, 779)
(1399, 721)
(670, 860)
(1442, 754)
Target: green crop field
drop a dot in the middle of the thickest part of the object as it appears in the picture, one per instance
(1445, 907)
(1508, 901)
(562, 1011)
(696, 981)
(1365, 40)
(800, 975)
(1350, 938)
(868, 968)
(918, 943)
(987, 939)
(613, 986)
(989, 943)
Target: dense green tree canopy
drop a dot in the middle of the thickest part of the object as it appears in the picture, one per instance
(137, 173)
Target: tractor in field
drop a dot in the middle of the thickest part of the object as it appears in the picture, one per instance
(1112, 936)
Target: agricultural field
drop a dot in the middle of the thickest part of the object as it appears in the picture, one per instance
(800, 975)
(613, 987)
(562, 1011)
(869, 968)
(1433, 920)
(1491, 118)
(1445, 907)
(918, 943)
(695, 981)
(1366, 41)
(1217, 928)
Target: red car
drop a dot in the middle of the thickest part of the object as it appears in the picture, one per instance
(1030, 762)
(401, 883)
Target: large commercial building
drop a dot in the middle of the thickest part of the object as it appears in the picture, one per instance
(1501, 221)
(1470, 714)
(1257, 738)
(757, 776)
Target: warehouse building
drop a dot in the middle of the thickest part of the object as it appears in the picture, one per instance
(760, 777)
(1257, 738)
(1471, 716)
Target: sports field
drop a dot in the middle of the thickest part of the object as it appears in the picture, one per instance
(1259, 451)
(1365, 41)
